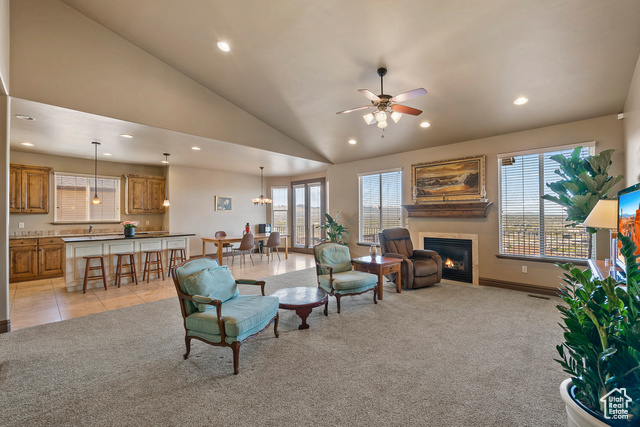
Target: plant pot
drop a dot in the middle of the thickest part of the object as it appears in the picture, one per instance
(577, 414)
(129, 232)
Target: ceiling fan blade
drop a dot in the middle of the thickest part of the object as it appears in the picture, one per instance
(409, 95)
(369, 95)
(406, 110)
(354, 109)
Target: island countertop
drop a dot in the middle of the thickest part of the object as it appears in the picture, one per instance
(143, 235)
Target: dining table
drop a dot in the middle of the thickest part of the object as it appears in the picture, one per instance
(220, 241)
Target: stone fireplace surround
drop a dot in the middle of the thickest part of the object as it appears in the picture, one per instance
(474, 248)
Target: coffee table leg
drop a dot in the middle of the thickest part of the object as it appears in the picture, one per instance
(398, 281)
(303, 313)
(380, 280)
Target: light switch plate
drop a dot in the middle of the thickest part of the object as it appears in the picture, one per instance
(524, 268)
(146, 223)
(21, 225)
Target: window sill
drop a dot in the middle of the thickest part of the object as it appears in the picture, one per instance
(85, 222)
(367, 244)
(551, 260)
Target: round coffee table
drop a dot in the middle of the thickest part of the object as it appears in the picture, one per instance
(302, 299)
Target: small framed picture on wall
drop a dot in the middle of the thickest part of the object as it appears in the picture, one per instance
(224, 203)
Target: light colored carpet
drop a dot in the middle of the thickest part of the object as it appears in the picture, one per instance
(449, 355)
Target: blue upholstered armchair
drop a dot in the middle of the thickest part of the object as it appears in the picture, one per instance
(336, 275)
(214, 312)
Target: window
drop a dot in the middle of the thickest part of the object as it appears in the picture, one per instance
(280, 209)
(529, 225)
(73, 195)
(380, 203)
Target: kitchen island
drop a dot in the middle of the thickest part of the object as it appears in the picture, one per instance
(110, 245)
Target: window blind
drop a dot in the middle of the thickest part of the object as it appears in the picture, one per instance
(380, 204)
(280, 209)
(73, 195)
(529, 225)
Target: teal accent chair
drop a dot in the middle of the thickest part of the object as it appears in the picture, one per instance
(336, 275)
(214, 312)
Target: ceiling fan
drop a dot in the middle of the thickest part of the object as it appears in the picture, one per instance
(382, 103)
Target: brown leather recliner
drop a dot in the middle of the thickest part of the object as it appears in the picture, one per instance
(420, 267)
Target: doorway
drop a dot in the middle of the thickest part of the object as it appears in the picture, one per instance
(307, 213)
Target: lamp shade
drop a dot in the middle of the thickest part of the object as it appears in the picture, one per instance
(603, 215)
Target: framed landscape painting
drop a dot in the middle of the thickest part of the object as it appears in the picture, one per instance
(455, 179)
(224, 203)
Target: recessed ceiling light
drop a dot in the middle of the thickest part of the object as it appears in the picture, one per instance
(164, 161)
(23, 117)
(107, 154)
(520, 101)
(26, 144)
(224, 46)
(196, 148)
(353, 141)
(126, 135)
(425, 124)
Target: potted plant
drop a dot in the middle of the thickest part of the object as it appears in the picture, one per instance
(601, 351)
(334, 230)
(129, 228)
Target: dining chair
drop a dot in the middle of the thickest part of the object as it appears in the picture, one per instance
(225, 246)
(246, 245)
(272, 244)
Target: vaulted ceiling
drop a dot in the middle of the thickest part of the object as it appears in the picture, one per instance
(293, 64)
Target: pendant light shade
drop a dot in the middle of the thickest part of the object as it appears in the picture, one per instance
(166, 202)
(261, 200)
(96, 199)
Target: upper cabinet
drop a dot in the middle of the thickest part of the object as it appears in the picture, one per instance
(29, 189)
(145, 194)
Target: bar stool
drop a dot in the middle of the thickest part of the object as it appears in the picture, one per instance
(88, 267)
(153, 266)
(176, 257)
(132, 268)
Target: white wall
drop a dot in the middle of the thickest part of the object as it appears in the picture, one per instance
(631, 125)
(192, 194)
(343, 195)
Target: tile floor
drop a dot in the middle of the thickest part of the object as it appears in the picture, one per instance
(45, 301)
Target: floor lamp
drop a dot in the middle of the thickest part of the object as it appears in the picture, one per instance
(605, 215)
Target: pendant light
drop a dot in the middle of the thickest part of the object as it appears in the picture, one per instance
(261, 200)
(96, 199)
(166, 196)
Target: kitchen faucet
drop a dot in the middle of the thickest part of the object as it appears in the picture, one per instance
(90, 228)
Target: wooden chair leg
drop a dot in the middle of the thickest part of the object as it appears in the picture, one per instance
(159, 259)
(375, 295)
(86, 277)
(235, 347)
(104, 275)
(187, 343)
(118, 272)
(278, 253)
(146, 266)
(132, 261)
(275, 325)
(251, 258)
(338, 300)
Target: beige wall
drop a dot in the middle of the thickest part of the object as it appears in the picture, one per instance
(42, 222)
(343, 195)
(4, 47)
(631, 125)
(61, 57)
(192, 193)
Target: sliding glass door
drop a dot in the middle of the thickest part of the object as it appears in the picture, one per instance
(308, 207)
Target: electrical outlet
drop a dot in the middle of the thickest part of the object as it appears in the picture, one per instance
(146, 223)
(524, 268)
(21, 225)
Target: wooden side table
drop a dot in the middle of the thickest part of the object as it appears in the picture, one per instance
(379, 266)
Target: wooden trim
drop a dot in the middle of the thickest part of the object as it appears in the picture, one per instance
(5, 326)
(449, 209)
(580, 262)
(515, 286)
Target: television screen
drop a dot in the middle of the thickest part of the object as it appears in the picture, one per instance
(628, 217)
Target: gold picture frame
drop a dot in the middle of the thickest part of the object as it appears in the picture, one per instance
(454, 179)
(224, 203)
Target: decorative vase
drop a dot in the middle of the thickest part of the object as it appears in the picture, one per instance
(247, 229)
(129, 232)
(373, 251)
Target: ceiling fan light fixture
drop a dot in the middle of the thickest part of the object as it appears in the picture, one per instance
(224, 46)
(395, 116)
(521, 101)
(425, 124)
(382, 125)
(369, 118)
(381, 116)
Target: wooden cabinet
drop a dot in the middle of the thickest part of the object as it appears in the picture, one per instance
(32, 259)
(29, 189)
(145, 194)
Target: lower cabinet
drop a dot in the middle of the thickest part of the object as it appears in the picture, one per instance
(33, 259)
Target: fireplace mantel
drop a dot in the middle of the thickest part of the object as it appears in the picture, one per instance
(470, 209)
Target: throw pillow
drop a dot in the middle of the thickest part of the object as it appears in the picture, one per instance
(215, 282)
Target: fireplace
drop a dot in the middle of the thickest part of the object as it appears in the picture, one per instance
(457, 257)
